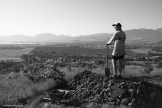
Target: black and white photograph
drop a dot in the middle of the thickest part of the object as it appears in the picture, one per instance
(80, 53)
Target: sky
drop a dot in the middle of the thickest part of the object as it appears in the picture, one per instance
(77, 17)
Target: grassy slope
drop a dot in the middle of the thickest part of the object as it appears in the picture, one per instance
(20, 87)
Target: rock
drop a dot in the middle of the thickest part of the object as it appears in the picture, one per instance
(131, 91)
(118, 85)
(133, 100)
(123, 106)
(54, 97)
(91, 105)
(108, 89)
(47, 105)
(152, 95)
(131, 104)
(115, 103)
(138, 91)
(111, 99)
(125, 101)
(122, 83)
(104, 84)
(112, 104)
(133, 95)
(123, 87)
(118, 92)
(118, 101)
(126, 92)
(110, 84)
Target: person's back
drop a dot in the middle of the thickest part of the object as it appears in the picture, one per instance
(119, 44)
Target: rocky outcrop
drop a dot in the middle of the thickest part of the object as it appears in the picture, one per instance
(91, 90)
(128, 92)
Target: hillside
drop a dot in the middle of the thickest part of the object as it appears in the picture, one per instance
(134, 35)
(40, 38)
(159, 30)
(159, 43)
(146, 35)
(92, 37)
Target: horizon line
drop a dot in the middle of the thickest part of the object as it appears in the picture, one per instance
(2, 35)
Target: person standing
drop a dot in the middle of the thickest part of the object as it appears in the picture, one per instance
(118, 39)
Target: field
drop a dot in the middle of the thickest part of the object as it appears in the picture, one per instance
(76, 50)
(130, 71)
(13, 54)
(141, 50)
(70, 50)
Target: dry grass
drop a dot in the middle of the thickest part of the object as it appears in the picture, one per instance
(70, 74)
(130, 70)
(20, 87)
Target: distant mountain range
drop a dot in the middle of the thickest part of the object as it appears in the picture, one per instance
(159, 30)
(134, 35)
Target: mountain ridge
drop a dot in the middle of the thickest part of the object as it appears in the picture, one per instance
(147, 35)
